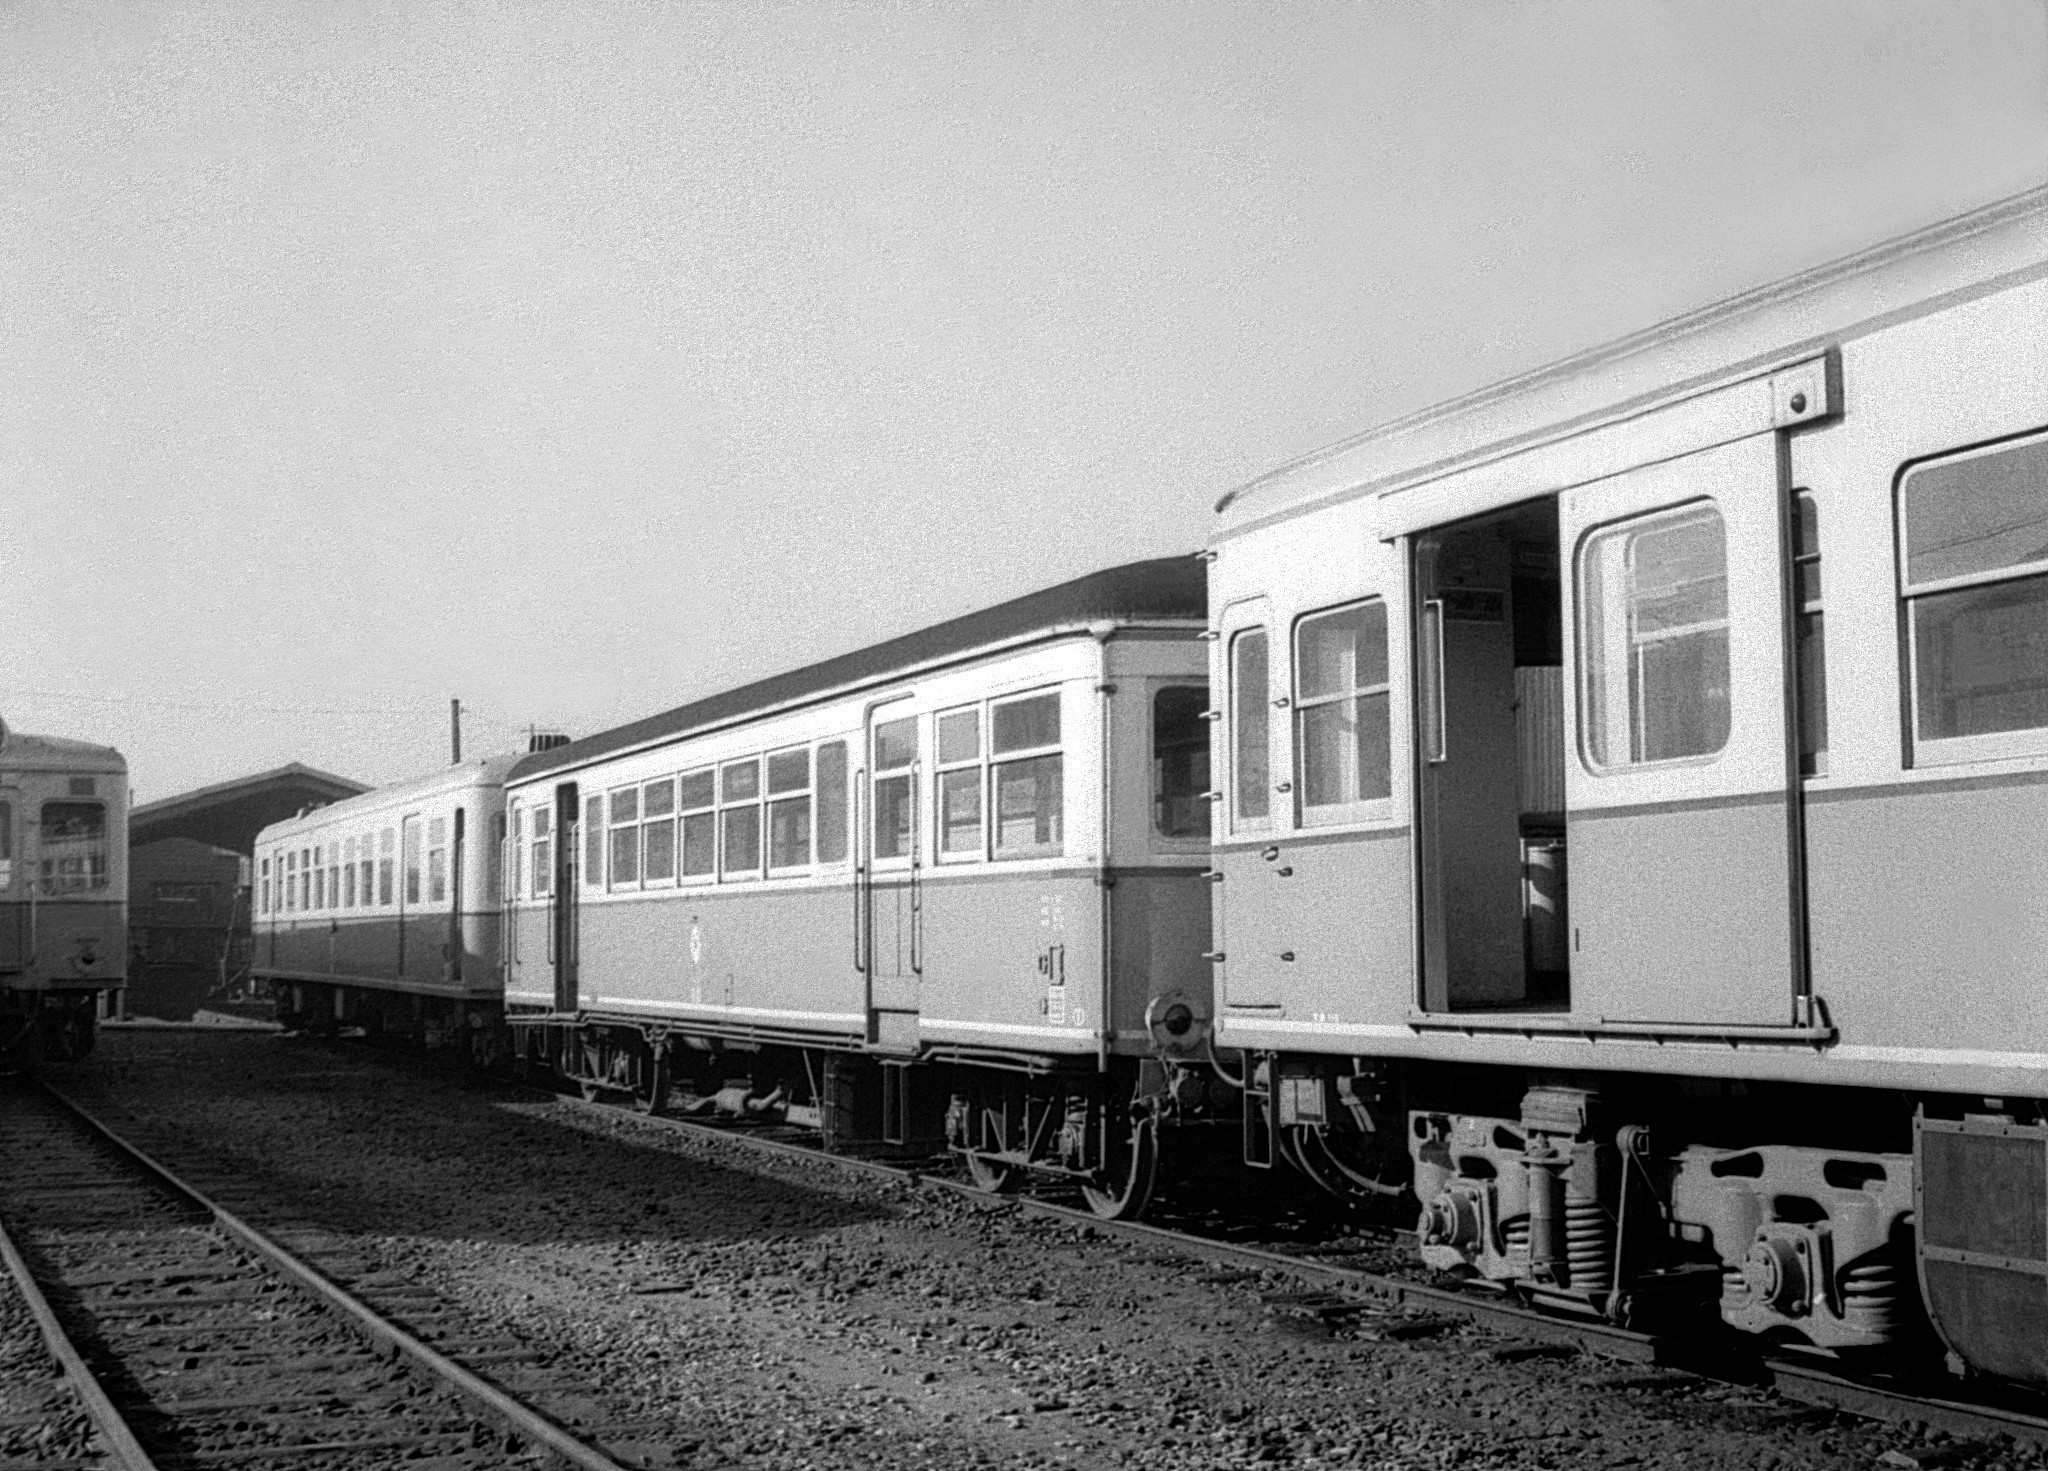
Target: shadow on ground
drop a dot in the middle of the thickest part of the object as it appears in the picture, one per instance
(387, 1145)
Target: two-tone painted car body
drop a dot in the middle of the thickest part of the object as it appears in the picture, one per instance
(383, 911)
(979, 847)
(1635, 778)
(63, 892)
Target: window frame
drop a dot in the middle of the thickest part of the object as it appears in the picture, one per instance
(771, 799)
(515, 851)
(412, 861)
(649, 821)
(943, 768)
(596, 845)
(438, 874)
(840, 795)
(755, 802)
(541, 839)
(1241, 821)
(1810, 712)
(1156, 835)
(906, 773)
(1360, 810)
(2003, 745)
(1632, 526)
(684, 813)
(1023, 755)
(621, 822)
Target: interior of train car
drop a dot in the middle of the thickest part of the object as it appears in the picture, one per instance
(1491, 804)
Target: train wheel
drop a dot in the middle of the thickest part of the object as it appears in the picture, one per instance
(1128, 1175)
(993, 1175)
(591, 1091)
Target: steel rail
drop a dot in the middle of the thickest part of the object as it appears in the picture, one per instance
(1808, 1382)
(513, 1414)
(113, 1431)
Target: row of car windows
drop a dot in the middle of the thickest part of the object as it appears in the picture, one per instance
(71, 847)
(402, 865)
(996, 787)
(1653, 630)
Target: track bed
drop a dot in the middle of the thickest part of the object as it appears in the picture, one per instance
(772, 1312)
(173, 1335)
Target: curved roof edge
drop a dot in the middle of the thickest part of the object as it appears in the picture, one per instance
(1657, 355)
(486, 773)
(1164, 588)
(55, 753)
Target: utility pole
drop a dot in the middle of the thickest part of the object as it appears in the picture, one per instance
(455, 730)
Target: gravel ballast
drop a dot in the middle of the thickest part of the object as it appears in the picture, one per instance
(762, 1311)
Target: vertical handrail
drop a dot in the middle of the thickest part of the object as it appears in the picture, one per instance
(456, 846)
(403, 912)
(508, 937)
(1105, 879)
(565, 832)
(571, 927)
(860, 871)
(916, 876)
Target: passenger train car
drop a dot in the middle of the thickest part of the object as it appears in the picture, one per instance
(1633, 787)
(953, 882)
(382, 911)
(63, 893)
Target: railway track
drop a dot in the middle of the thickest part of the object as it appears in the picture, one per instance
(1393, 1305)
(187, 1339)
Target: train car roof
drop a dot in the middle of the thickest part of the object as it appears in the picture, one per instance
(487, 773)
(1166, 588)
(1969, 255)
(20, 751)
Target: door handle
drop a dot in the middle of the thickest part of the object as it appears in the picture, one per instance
(1432, 681)
(916, 919)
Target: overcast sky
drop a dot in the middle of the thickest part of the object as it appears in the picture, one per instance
(580, 359)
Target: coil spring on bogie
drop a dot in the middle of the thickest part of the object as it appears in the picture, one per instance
(1588, 1245)
(1514, 1234)
(1874, 1293)
(1734, 1286)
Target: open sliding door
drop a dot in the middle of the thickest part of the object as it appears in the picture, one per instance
(1679, 769)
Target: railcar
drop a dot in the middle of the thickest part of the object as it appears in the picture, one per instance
(382, 912)
(950, 886)
(63, 893)
(1632, 787)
